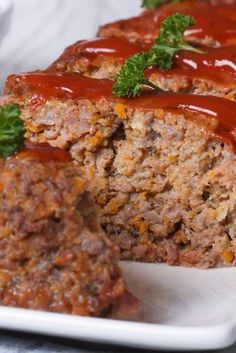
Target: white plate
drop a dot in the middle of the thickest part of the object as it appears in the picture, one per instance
(182, 309)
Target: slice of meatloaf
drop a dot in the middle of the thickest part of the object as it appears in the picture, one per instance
(53, 253)
(97, 58)
(39, 94)
(164, 178)
(213, 72)
(215, 23)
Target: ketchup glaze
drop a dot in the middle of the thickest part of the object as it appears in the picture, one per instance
(46, 85)
(118, 48)
(217, 65)
(215, 21)
(43, 153)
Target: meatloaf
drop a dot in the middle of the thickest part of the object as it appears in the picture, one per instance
(53, 254)
(162, 166)
(215, 23)
(97, 58)
(213, 72)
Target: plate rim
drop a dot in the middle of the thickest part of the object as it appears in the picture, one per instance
(118, 332)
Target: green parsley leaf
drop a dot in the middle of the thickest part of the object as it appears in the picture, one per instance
(154, 4)
(11, 130)
(171, 37)
(130, 79)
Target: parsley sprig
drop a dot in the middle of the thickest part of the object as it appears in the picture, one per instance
(11, 130)
(154, 4)
(130, 80)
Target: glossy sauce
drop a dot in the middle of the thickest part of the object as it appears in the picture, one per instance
(117, 48)
(43, 153)
(215, 59)
(216, 21)
(211, 20)
(44, 86)
(221, 113)
(215, 64)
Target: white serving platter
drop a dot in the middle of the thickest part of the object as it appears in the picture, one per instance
(182, 309)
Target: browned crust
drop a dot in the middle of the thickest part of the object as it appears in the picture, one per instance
(54, 255)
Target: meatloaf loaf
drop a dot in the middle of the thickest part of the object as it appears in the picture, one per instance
(162, 166)
(215, 23)
(213, 72)
(53, 253)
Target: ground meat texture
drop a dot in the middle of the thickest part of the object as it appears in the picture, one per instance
(170, 193)
(53, 254)
(164, 179)
(210, 16)
(210, 73)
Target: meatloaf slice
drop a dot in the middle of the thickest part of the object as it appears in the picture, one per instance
(215, 23)
(97, 58)
(53, 253)
(164, 179)
(60, 108)
(213, 72)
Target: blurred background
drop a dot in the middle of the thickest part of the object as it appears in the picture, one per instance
(41, 29)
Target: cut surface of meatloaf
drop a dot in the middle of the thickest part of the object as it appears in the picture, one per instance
(53, 254)
(210, 73)
(215, 23)
(164, 172)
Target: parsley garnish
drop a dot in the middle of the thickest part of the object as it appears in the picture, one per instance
(154, 4)
(11, 130)
(131, 78)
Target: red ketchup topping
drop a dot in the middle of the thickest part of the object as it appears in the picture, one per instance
(217, 21)
(43, 153)
(118, 48)
(44, 86)
(211, 20)
(215, 64)
(212, 59)
(221, 113)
